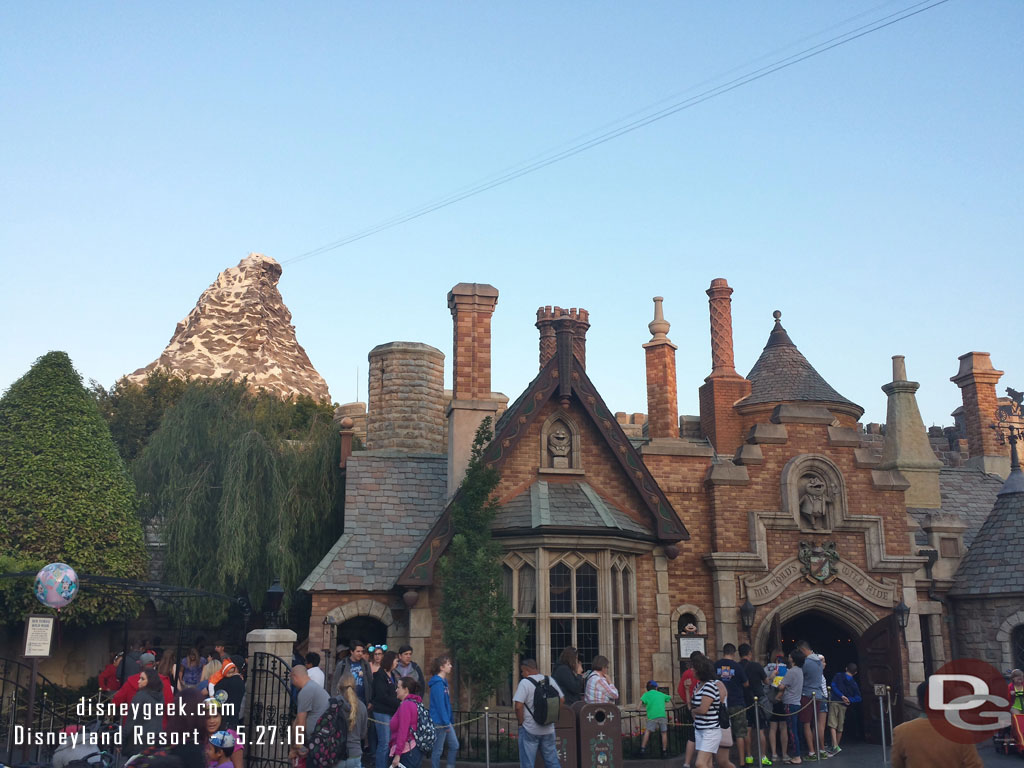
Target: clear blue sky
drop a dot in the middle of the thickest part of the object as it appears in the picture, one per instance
(873, 194)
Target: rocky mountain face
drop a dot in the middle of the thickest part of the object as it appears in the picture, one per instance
(241, 327)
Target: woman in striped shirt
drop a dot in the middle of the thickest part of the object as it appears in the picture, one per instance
(705, 705)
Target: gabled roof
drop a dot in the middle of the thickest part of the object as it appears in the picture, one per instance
(563, 376)
(783, 375)
(566, 506)
(992, 566)
(391, 501)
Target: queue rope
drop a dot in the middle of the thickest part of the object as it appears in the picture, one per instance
(467, 721)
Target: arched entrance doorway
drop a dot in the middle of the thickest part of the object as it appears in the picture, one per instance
(365, 629)
(838, 644)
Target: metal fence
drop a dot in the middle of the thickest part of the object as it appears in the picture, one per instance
(271, 711)
(54, 709)
(497, 733)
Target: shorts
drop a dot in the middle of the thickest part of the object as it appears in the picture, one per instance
(708, 739)
(780, 713)
(657, 724)
(761, 718)
(837, 715)
(739, 722)
(726, 741)
(806, 710)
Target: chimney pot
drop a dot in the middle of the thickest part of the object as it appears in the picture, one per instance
(720, 305)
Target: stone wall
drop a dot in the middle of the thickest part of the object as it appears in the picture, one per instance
(982, 629)
(406, 398)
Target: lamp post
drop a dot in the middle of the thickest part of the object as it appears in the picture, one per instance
(748, 612)
(272, 605)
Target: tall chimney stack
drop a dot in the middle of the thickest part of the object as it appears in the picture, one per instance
(977, 380)
(662, 400)
(471, 305)
(723, 387)
(577, 319)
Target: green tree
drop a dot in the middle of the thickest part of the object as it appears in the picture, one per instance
(479, 628)
(133, 411)
(65, 493)
(245, 487)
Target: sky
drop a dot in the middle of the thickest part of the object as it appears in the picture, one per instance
(872, 193)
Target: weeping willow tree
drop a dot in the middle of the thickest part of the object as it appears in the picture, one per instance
(241, 495)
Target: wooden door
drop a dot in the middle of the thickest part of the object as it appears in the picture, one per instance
(880, 664)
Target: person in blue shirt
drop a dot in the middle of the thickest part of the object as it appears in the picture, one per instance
(843, 693)
(441, 712)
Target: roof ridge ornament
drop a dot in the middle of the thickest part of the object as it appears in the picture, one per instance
(778, 337)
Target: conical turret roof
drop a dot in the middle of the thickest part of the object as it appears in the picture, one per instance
(783, 375)
(992, 564)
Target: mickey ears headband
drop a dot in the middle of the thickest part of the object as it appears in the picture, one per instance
(374, 648)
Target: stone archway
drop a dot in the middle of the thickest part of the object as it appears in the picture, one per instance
(1004, 637)
(364, 607)
(840, 609)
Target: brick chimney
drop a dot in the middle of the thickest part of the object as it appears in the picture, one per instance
(977, 380)
(723, 387)
(546, 322)
(660, 353)
(471, 305)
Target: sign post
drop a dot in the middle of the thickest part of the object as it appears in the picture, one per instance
(38, 642)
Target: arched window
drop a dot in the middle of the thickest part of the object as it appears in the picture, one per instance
(1017, 646)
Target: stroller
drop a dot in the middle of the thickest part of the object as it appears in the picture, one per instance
(1010, 740)
(83, 755)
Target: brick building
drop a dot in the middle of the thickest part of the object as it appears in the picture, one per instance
(773, 515)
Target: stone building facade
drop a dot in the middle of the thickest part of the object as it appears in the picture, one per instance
(774, 514)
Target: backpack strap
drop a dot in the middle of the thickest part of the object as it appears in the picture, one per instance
(527, 706)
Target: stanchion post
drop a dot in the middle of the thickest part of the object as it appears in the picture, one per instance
(757, 730)
(881, 714)
(888, 706)
(487, 737)
(815, 747)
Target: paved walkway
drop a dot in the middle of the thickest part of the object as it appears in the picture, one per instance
(854, 755)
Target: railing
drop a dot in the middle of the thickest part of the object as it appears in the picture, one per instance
(501, 730)
(54, 709)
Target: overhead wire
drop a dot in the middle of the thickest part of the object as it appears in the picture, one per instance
(546, 159)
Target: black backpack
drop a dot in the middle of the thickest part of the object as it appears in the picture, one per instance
(329, 743)
(545, 702)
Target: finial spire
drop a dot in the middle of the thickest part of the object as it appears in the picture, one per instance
(659, 325)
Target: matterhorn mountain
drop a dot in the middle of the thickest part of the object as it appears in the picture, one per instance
(241, 327)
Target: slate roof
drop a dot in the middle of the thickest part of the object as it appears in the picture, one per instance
(783, 375)
(564, 505)
(992, 566)
(392, 500)
(967, 493)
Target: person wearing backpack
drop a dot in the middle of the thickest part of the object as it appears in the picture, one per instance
(403, 746)
(537, 699)
(354, 712)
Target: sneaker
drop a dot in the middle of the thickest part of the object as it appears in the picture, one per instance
(813, 756)
(748, 760)
(765, 760)
(836, 750)
(824, 755)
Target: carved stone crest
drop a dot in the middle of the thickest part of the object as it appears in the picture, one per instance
(559, 445)
(820, 563)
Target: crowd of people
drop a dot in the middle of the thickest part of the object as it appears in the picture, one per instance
(381, 693)
(797, 708)
(207, 687)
